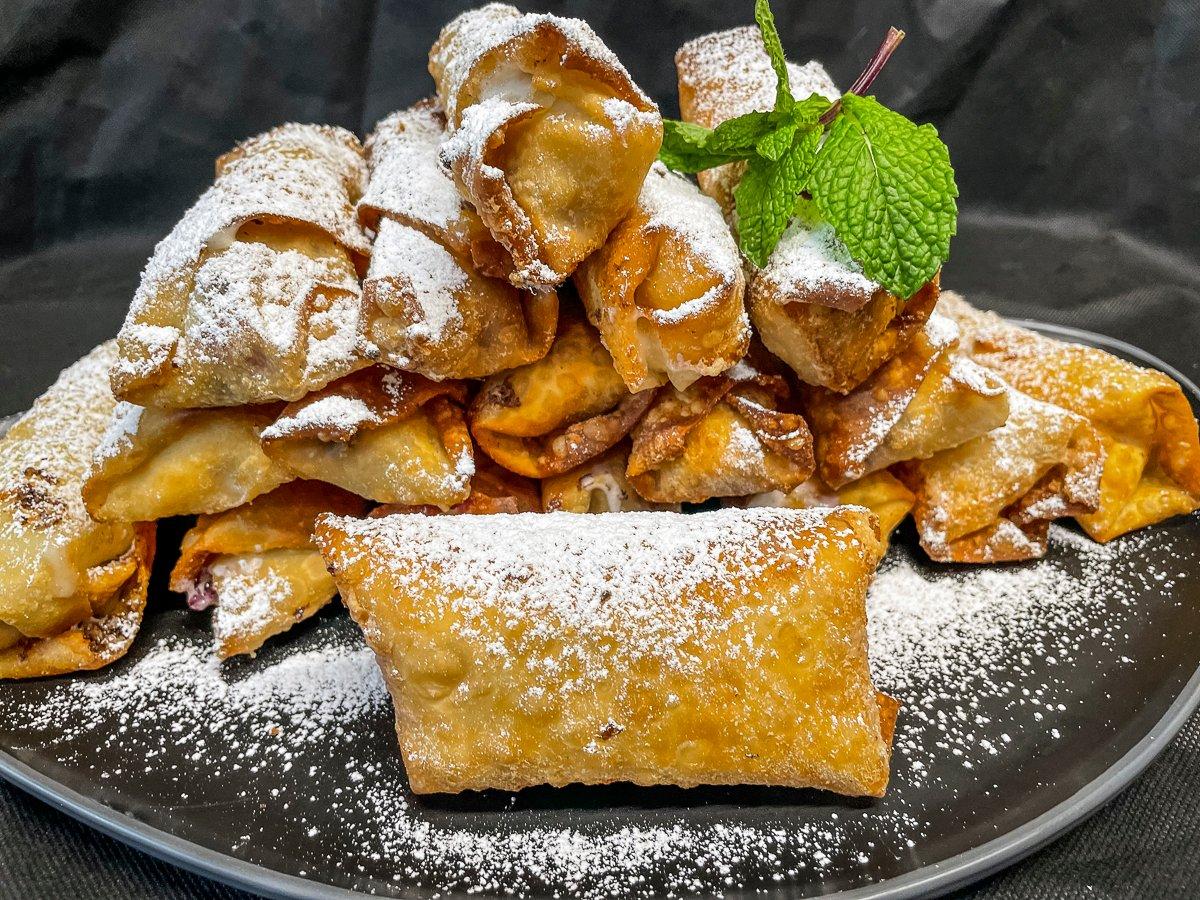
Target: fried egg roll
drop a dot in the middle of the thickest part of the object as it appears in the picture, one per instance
(258, 564)
(550, 138)
(155, 463)
(880, 492)
(666, 289)
(554, 415)
(811, 303)
(494, 489)
(992, 499)
(72, 590)
(1147, 425)
(727, 647)
(725, 436)
(254, 295)
(923, 400)
(387, 435)
(431, 307)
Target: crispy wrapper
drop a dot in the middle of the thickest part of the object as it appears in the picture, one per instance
(1147, 425)
(389, 436)
(833, 348)
(254, 295)
(666, 290)
(923, 400)
(992, 498)
(598, 486)
(258, 564)
(549, 136)
(554, 415)
(724, 436)
(881, 492)
(155, 463)
(494, 489)
(431, 306)
(117, 595)
(71, 588)
(727, 647)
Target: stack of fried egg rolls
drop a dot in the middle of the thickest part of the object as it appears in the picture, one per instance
(474, 377)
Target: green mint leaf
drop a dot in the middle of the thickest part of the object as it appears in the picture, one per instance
(741, 134)
(775, 143)
(887, 188)
(766, 196)
(770, 37)
(684, 148)
(810, 109)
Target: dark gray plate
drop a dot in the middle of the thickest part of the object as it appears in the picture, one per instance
(314, 811)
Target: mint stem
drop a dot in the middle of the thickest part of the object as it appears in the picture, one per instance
(868, 75)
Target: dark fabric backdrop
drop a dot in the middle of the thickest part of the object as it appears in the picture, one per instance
(1072, 124)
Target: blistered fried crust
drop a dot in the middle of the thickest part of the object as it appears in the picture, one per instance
(387, 435)
(666, 290)
(155, 463)
(880, 492)
(727, 647)
(254, 295)
(554, 415)
(992, 498)
(549, 136)
(923, 400)
(494, 489)
(598, 486)
(1147, 425)
(724, 436)
(258, 564)
(830, 347)
(431, 306)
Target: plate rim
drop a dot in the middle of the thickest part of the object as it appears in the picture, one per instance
(934, 879)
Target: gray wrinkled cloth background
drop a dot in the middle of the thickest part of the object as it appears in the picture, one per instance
(1073, 127)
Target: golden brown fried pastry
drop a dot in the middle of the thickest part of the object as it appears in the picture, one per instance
(811, 303)
(725, 436)
(880, 492)
(831, 347)
(727, 647)
(598, 486)
(258, 564)
(1147, 425)
(992, 499)
(554, 415)
(155, 463)
(923, 400)
(389, 436)
(72, 590)
(430, 306)
(666, 290)
(549, 136)
(254, 295)
(494, 489)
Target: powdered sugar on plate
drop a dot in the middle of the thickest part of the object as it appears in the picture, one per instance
(296, 748)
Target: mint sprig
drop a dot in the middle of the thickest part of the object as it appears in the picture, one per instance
(883, 183)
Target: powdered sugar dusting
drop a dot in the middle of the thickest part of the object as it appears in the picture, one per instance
(479, 32)
(407, 181)
(332, 413)
(406, 264)
(810, 259)
(675, 204)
